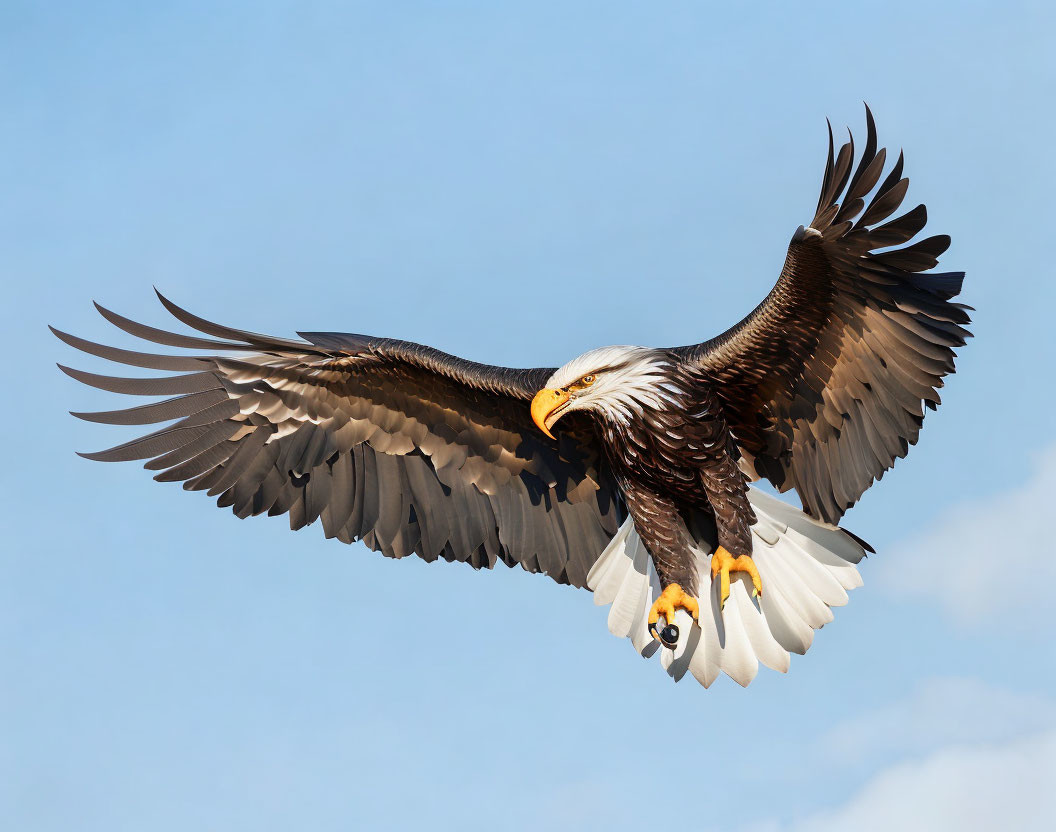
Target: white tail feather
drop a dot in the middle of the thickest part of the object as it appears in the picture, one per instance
(806, 568)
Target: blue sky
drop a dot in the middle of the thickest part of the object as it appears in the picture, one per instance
(515, 183)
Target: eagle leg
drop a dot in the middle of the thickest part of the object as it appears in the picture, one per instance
(723, 563)
(671, 599)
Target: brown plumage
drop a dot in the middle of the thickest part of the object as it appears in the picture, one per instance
(821, 388)
(396, 444)
(824, 383)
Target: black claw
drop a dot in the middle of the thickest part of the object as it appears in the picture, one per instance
(669, 636)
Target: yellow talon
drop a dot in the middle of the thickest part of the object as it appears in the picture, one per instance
(671, 599)
(723, 563)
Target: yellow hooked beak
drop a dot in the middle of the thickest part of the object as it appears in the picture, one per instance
(547, 407)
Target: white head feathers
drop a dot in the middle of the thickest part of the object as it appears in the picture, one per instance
(626, 379)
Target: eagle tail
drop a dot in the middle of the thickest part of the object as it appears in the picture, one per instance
(806, 569)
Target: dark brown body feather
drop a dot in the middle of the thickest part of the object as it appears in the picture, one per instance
(677, 468)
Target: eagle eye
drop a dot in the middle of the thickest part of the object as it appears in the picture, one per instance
(586, 381)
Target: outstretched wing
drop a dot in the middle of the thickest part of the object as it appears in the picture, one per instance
(402, 446)
(823, 384)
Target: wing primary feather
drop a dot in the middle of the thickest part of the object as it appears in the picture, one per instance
(159, 412)
(153, 444)
(151, 361)
(254, 339)
(161, 336)
(823, 198)
(161, 386)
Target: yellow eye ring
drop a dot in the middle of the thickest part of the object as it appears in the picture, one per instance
(587, 380)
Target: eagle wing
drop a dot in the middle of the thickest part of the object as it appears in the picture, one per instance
(400, 445)
(824, 384)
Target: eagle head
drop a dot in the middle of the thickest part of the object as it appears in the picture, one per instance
(613, 382)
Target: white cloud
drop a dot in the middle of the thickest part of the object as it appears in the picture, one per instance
(998, 786)
(963, 755)
(985, 558)
(941, 712)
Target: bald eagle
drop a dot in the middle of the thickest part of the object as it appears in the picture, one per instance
(627, 470)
